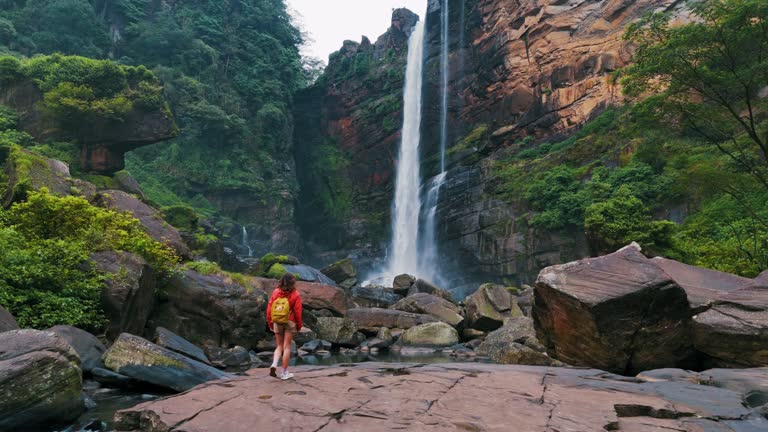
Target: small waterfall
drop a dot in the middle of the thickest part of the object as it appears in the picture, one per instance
(407, 205)
(430, 258)
(245, 242)
(444, 40)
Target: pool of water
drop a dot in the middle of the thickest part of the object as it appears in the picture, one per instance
(108, 400)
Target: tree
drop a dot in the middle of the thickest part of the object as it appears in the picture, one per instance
(708, 77)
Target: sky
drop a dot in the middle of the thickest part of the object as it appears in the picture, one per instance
(331, 22)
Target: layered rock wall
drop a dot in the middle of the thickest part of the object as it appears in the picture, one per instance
(521, 72)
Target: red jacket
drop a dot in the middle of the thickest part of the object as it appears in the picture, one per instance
(294, 301)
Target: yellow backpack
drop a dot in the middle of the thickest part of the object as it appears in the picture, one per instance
(281, 310)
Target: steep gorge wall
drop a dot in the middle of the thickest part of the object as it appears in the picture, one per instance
(522, 72)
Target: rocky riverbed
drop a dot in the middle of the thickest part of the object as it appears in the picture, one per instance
(462, 397)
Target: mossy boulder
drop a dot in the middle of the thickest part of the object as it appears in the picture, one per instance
(489, 305)
(343, 271)
(40, 380)
(340, 331)
(272, 265)
(146, 362)
(436, 334)
(27, 171)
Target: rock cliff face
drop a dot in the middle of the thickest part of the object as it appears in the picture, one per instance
(521, 72)
(346, 139)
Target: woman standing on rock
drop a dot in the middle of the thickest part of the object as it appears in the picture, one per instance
(284, 318)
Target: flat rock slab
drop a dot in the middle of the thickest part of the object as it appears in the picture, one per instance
(446, 397)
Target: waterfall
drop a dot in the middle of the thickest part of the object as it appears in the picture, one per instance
(430, 257)
(245, 242)
(414, 241)
(443, 82)
(407, 205)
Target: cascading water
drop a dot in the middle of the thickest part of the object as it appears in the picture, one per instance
(430, 257)
(407, 205)
(414, 250)
(245, 242)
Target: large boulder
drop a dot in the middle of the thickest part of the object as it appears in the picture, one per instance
(422, 286)
(515, 343)
(341, 331)
(323, 296)
(732, 335)
(210, 309)
(342, 272)
(619, 313)
(146, 362)
(402, 283)
(488, 306)
(170, 340)
(702, 286)
(40, 381)
(436, 334)
(150, 218)
(129, 292)
(7, 321)
(730, 314)
(374, 296)
(373, 318)
(87, 346)
(437, 307)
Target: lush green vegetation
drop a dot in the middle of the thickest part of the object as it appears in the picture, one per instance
(78, 91)
(229, 70)
(691, 148)
(45, 244)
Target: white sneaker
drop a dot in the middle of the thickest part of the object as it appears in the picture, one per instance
(286, 376)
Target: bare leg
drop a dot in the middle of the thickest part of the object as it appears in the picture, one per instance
(278, 354)
(287, 339)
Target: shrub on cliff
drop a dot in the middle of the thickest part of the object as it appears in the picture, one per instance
(78, 90)
(45, 244)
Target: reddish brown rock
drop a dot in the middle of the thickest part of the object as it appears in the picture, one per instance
(149, 217)
(387, 397)
(703, 286)
(619, 312)
(321, 296)
(373, 318)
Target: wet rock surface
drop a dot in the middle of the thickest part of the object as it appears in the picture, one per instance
(383, 397)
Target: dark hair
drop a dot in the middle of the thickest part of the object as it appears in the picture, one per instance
(287, 282)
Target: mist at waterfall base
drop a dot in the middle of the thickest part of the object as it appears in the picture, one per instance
(414, 247)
